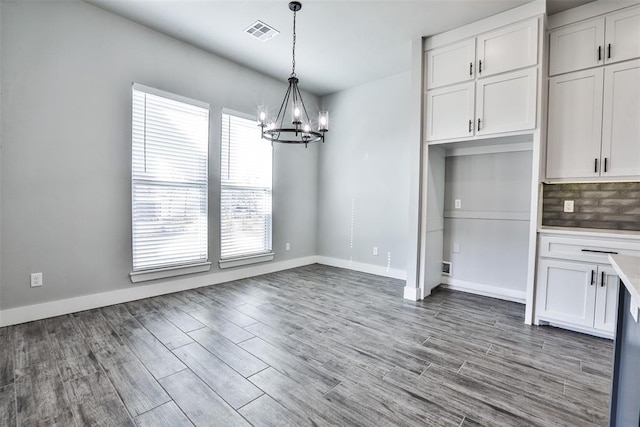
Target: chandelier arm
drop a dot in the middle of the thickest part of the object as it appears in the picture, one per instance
(283, 109)
(304, 108)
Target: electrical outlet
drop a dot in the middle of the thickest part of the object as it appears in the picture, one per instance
(375, 250)
(456, 247)
(458, 203)
(36, 280)
(287, 246)
(568, 205)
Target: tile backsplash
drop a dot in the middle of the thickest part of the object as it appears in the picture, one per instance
(610, 205)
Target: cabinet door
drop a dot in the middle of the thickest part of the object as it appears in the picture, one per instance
(506, 103)
(606, 310)
(451, 64)
(574, 124)
(566, 292)
(576, 47)
(622, 35)
(508, 48)
(621, 120)
(450, 112)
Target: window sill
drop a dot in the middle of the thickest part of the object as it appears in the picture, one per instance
(253, 259)
(162, 273)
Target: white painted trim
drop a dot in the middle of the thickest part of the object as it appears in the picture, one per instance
(587, 11)
(29, 313)
(378, 270)
(541, 321)
(488, 215)
(237, 262)
(413, 294)
(484, 290)
(455, 150)
(511, 16)
(163, 273)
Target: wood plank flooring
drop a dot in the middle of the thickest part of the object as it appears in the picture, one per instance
(312, 346)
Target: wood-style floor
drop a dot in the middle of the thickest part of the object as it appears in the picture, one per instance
(311, 346)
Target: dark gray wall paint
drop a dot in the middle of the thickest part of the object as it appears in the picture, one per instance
(611, 205)
(67, 70)
(364, 174)
(625, 393)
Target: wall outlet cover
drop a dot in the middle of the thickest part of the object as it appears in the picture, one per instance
(36, 280)
(458, 203)
(568, 205)
(375, 250)
(287, 246)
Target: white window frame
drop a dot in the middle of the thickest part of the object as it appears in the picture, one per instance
(164, 266)
(245, 258)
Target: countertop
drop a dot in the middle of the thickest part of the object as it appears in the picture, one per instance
(628, 269)
(590, 232)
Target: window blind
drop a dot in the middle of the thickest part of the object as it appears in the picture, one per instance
(170, 139)
(245, 181)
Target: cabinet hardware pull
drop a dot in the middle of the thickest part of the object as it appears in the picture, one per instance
(593, 274)
(602, 278)
(595, 251)
(480, 67)
(605, 164)
(470, 125)
(595, 166)
(471, 68)
(599, 53)
(609, 51)
(478, 125)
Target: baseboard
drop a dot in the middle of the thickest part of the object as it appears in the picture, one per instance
(363, 267)
(30, 313)
(484, 290)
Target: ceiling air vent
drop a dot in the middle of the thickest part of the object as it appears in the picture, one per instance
(261, 31)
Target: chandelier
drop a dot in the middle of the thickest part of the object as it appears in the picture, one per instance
(300, 130)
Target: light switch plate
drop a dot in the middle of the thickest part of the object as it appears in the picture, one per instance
(568, 205)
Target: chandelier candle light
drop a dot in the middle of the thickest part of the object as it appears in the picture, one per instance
(300, 131)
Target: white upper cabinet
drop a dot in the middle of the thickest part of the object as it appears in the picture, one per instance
(508, 48)
(574, 125)
(450, 112)
(506, 102)
(622, 35)
(576, 47)
(621, 120)
(451, 64)
(605, 40)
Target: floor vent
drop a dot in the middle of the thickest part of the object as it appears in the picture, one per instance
(446, 268)
(261, 31)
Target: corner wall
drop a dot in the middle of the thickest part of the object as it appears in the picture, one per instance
(363, 197)
(66, 75)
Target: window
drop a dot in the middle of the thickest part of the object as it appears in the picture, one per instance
(245, 199)
(170, 140)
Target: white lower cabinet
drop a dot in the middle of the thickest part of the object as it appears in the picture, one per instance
(574, 293)
(576, 286)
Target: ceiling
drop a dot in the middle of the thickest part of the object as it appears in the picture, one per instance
(340, 43)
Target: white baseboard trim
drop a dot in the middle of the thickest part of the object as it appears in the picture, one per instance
(484, 290)
(412, 294)
(30, 313)
(363, 267)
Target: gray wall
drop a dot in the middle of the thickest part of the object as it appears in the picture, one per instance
(66, 74)
(364, 174)
(491, 227)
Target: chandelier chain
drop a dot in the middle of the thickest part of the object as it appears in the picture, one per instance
(293, 68)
